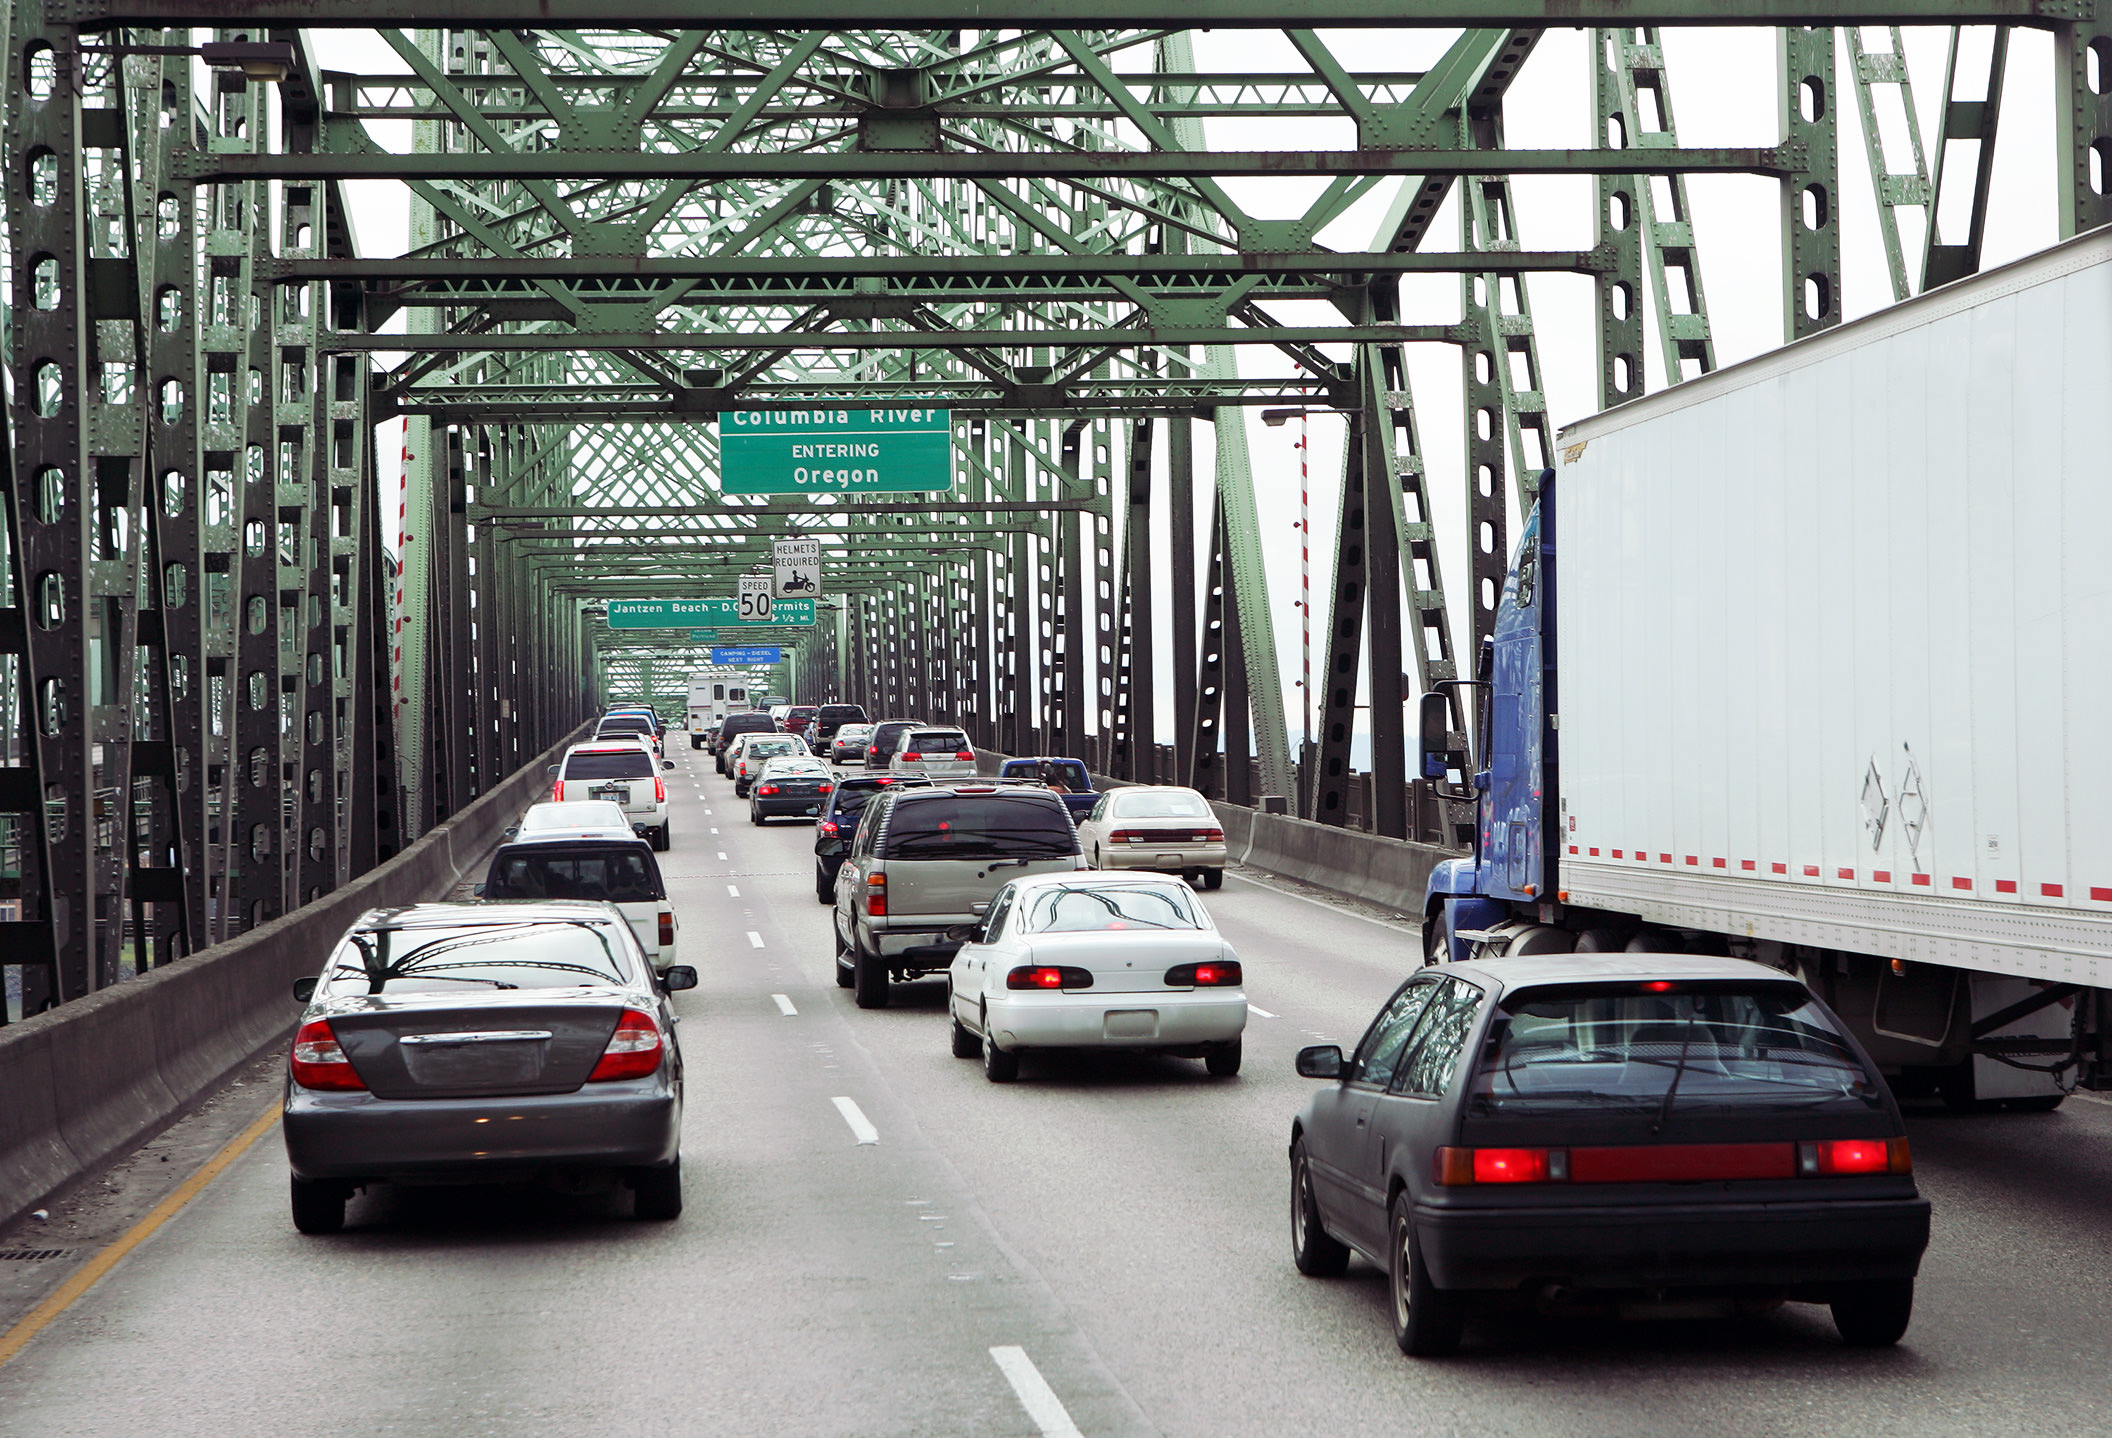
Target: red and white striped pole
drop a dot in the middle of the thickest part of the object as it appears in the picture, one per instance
(1305, 583)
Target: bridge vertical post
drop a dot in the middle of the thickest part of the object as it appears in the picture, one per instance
(1181, 582)
(1329, 803)
(1135, 694)
(1811, 194)
(1619, 289)
(2083, 120)
(1389, 757)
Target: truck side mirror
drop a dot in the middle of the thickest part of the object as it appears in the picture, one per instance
(1435, 723)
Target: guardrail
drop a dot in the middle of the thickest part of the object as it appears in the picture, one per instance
(86, 1081)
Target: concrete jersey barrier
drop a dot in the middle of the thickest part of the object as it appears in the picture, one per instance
(86, 1081)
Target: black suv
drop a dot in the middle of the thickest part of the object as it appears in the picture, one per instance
(839, 821)
(886, 735)
(831, 717)
(754, 721)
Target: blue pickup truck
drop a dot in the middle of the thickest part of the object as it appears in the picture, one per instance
(1066, 776)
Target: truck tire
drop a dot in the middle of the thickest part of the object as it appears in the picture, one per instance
(1874, 1314)
(869, 978)
(696, 741)
(1435, 949)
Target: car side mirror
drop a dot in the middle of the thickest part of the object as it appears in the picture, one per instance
(965, 933)
(304, 989)
(477, 889)
(552, 769)
(667, 763)
(677, 978)
(512, 830)
(1320, 1061)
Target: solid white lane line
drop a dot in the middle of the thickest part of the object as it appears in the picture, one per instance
(1323, 904)
(784, 1005)
(1035, 1395)
(732, 892)
(755, 940)
(861, 1127)
(1259, 1012)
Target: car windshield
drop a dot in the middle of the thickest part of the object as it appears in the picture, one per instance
(1164, 804)
(1101, 907)
(850, 732)
(576, 814)
(610, 764)
(618, 873)
(841, 711)
(1693, 1049)
(449, 958)
(791, 764)
(961, 826)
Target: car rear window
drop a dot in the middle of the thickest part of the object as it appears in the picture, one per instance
(1068, 772)
(626, 724)
(610, 764)
(1163, 806)
(935, 741)
(1687, 1049)
(576, 814)
(750, 723)
(801, 714)
(755, 747)
(970, 826)
(1101, 907)
(617, 873)
(841, 712)
(462, 959)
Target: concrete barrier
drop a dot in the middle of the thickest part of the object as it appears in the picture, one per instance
(88, 1080)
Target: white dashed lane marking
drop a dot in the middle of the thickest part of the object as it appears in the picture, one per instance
(784, 1005)
(731, 891)
(1259, 1012)
(1035, 1395)
(755, 940)
(862, 1129)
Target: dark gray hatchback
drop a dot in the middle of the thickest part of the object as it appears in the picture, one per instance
(1608, 1130)
(477, 1043)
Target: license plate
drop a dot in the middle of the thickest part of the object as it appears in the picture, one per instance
(1169, 858)
(621, 793)
(1132, 1024)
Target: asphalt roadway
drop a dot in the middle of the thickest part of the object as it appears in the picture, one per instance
(1100, 1248)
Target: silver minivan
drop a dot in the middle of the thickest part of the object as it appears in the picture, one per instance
(933, 754)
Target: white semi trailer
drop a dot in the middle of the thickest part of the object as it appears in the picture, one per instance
(713, 694)
(1806, 660)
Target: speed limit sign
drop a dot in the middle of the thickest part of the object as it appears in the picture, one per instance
(755, 599)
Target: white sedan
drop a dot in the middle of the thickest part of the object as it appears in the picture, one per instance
(1161, 827)
(1095, 960)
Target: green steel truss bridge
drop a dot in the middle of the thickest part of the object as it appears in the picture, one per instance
(221, 697)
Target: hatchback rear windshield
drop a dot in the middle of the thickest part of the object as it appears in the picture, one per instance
(1163, 806)
(461, 959)
(842, 712)
(757, 747)
(975, 827)
(936, 741)
(617, 873)
(1657, 1053)
(610, 764)
(1101, 907)
(626, 724)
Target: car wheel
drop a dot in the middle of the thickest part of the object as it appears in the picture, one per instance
(869, 978)
(824, 888)
(1427, 1321)
(1213, 878)
(656, 1193)
(755, 816)
(1223, 1061)
(1874, 1314)
(998, 1065)
(319, 1205)
(1314, 1252)
(966, 1044)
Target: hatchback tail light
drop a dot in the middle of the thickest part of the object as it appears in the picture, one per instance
(633, 1051)
(1454, 1166)
(319, 1062)
(667, 927)
(1048, 976)
(1844, 1157)
(876, 896)
(1224, 974)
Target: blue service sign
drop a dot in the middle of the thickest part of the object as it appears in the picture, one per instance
(721, 654)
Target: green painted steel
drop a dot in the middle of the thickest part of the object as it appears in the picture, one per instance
(836, 451)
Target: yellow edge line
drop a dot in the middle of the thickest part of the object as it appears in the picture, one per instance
(91, 1272)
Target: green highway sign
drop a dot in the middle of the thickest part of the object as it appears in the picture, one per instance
(835, 451)
(688, 613)
(703, 636)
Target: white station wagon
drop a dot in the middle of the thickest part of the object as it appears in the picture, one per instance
(1095, 960)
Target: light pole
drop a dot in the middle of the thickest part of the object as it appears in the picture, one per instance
(1274, 418)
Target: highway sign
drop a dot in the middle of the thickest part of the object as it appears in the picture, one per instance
(757, 655)
(797, 567)
(754, 599)
(687, 613)
(703, 636)
(836, 451)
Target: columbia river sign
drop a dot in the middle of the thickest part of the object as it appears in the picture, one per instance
(836, 451)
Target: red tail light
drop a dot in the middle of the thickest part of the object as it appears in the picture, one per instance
(1225, 974)
(967, 754)
(1045, 976)
(826, 789)
(1212, 836)
(876, 896)
(667, 927)
(826, 828)
(659, 790)
(633, 1051)
(1455, 1166)
(767, 789)
(1124, 836)
(1839, 1157)
(870, 752)
(913, 757)
(557, 792)
(318, 1061)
